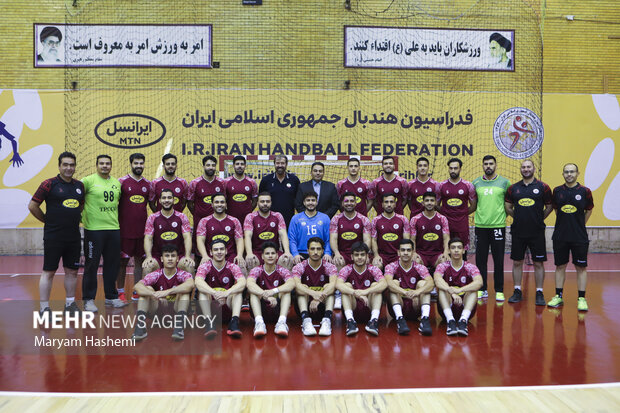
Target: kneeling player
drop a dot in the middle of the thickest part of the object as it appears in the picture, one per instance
(223, 282)
(160, 288)
(458, 282)
(361, 286)
(409, 285)
(315, 280)
(270, 287)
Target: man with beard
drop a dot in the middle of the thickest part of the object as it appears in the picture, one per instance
(422, 184)
(241, 191)
(50, 43)
(167, 227)
(386, 231)
(326, 194)
(357, 185)
(263, 226)
(490, 227)
(346, 229)
(389, 183)
(132, 214)
(529, 202)
(283, 187)
(305, 225)
(199, 196)
(431, 232)
(169, 180)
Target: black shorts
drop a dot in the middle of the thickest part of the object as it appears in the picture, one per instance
(69, 251)
(579, 251)
(537, 245)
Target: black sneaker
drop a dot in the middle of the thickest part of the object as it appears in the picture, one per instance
(401, 326)
(425, 326)
(139, 333)
(178, 333)
(233, 328)
(540, 298)
(452, 328)
(373, 327)
(516, 296)
(462, 327)
(72, 308)
(210, 332)
(46, 310)
(351, 327)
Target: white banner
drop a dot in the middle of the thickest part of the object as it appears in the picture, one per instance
(443, 49)
(72, 45)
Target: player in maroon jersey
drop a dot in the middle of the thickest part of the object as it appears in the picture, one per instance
(356, 185)
(431, 233)
(132, 214)
(241, 191)
(419, 186)
(458, 282)
(409, 285)
(361, 286)
(270, 287)
(199, 195)
(263, 226)
(386, 231)
(169, 180)
(457, 199)
(220, 283)
(220, 225)
(388, 183)
(315, 284)
(167, 227)
(346, 229)
(162, 287)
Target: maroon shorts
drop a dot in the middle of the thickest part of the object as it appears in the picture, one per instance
(429, 259)
(132, 247)
(361, 312)
(270, 314)
(410, 312)
(457, 310)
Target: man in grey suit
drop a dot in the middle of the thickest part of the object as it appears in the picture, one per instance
(328, 202)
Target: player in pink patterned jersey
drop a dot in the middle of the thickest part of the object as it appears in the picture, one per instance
(241, 191)
(409, 286)
(346, 229)
(457, 199)
(265, 226)
(167, 227)
(169, 180)
(361, 286)
(270, 287)
(431, 233)
(386, 231)
(356, 185)
(315, 281)
(162, 287)
(419, 186)
(221, 226)
(132, 214)
(458, 283)
(220, 284)
(389, 183)
(199, 194)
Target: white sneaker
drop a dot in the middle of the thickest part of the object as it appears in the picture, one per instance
(337, 301)
(307, 328)
(282, 329)
(260, 329)
(89, 305)
(326, 327)
(116, 303)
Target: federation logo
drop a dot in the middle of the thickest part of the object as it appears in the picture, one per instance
(356, 226)
(174, 225)
(288, 185)
(276, 282)
(412, 280)
(225, 280)
(461, 192)
(536, 190)
(272, 224)
(437, 227)
(177, 190)
(79, 191)
(247, 188)
(578, 197)
(359, 190)
(227, 228)
(366, 283)
(463, 279)
(396, 190)
(217, 189)
(144, 189)
(395, 226)
(518, 133)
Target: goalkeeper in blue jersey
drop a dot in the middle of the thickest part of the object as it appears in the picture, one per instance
(308, 224)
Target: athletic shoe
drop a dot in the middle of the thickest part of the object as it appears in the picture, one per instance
(499, 297)
(516, 296)
(326, 328)
(307, 328)
(90, 306)
(233, 328)
(462, 327)
(337, 300)
(425, 326)
(483, 294)
(139, 333)
(281, 329)
(401, 326)
(46, 310)
(373, 327)
(121, 296)
(72, 308)
(351, 327)
(540, 298)
(582, 304)
(210, 332)
(178, 333)
(556, 301)
(116, 303)
(135, 296)
(260, 329)
(452, 328)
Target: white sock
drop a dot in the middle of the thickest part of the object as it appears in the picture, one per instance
(539, 289)
(374, 314)
(121, 290)
(258, 319)
(398, 310)
(44, 304)
(348, 314)
(465, 315)
(69, 300)
(426, 310)
(282, 319)
(518, 287)
(448, 313)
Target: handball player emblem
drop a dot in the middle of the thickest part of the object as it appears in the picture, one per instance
(518, 133)
(79, 191)
(577, 197)
(143, 189)
(177, 190)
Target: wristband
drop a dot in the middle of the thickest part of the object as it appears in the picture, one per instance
(276, 290)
